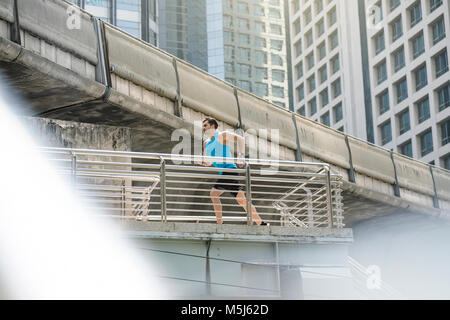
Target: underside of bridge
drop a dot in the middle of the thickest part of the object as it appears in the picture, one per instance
(45, 96)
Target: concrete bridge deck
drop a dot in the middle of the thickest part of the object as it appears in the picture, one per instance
(103, 76)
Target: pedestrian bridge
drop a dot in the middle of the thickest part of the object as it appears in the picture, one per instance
(98, 74)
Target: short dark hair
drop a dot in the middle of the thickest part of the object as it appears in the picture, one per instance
(212, 122)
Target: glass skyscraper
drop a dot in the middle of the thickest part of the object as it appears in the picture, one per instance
(182, 30)
(247, 46)
(242, 42)
(137, 17)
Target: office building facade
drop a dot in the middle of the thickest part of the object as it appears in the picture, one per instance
(137, 17)
(247, 46)
(376, 69)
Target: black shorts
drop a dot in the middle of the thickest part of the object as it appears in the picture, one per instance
(229, 185)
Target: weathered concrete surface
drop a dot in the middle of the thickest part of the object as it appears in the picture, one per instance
(69, 134)
(205, 231)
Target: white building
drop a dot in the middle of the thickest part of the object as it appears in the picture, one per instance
(376, 69)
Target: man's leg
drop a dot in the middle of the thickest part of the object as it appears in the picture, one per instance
(215, 198)
(240, 198)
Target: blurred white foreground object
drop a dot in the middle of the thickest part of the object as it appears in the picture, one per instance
(50, 246)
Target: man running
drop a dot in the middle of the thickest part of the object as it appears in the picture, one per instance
(218, 145)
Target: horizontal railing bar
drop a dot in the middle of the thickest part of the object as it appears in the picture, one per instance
(158, 156)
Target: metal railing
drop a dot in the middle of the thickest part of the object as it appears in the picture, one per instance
(165, 187)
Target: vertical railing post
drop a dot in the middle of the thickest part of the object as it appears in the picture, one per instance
(310, 210)
(163, 190)
(248, 193)
(329, 198)
(122, 192)
(74, 170)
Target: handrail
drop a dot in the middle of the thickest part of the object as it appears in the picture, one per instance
(148, 186)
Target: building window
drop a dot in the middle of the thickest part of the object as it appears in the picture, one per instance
(242, 7)
(276, 44)
(259, 11)
(334, 40)
(301, 111)
(434, 4)
(335, 65)
(311, 84)
(310, 60)
(299, 70)
(244, 38)
(277, 60)
(277, 92)
(261, 89)
(260, 42)
(386, 133)
(397, 29)
(312, 107)
(324, 98)
(243, 24)
(381, 72)
(438, 30)
(322, 51)
(421, 77)
(307, 16)
(227, 21)
(332, 17)
(338, 114)
(323, 74)
(275, 29)
(399, 59)
(406, 149)
(320, 28)
(244, 85)
(445, 132)
(444, 97)
(415, 14)
(229, 52)
(336, 88)
(300, 92)
(260, 57)
(260, 74)
(402, 90)
(423, 110)
(244, 70)
(260, 27)
(403, 121)
(383, 102)
(426, 143)
(319, 6)
(325, 119)
(297, 27)
(278, 75)
(394, 4)
(441, 63)
(274, 13)
(298, 47)
(244, 54)
(446, 162)
(379, 42)
(309, 38)
(418, 45)
(229, 67)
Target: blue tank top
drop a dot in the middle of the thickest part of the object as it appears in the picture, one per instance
(214, 148)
